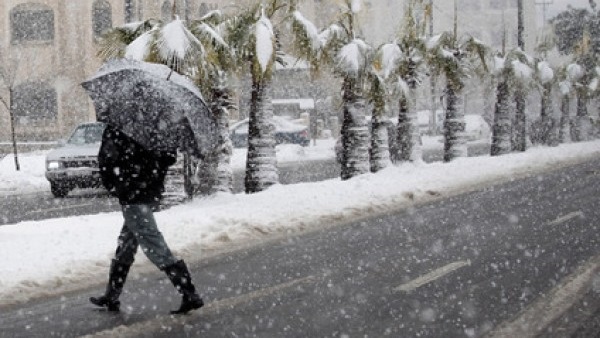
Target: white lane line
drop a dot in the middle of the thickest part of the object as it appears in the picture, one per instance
(546, 309)
(566, 218)
(60, 208)
(430, 277)
(162, 322)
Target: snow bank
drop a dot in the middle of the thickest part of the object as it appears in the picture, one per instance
(53, 256)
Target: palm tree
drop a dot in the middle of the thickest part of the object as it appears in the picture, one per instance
(253, 37)
(565, 86)
(339, 46)
(546, 79)
(403, 64)
(584, 79)
(197, 50)
(455, 58)
(509, 69)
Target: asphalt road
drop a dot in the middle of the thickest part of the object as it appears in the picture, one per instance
(28, 207)
(457, 267)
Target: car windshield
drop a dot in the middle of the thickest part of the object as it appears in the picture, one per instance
(87, 134)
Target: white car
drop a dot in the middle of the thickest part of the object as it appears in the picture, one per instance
(476, 129)
(75, 163)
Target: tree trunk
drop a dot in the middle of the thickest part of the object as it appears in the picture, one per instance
(565, 120)
(454, 126)
(404, 132)
(548, 124)
(354, 132)
(380, 149)
(520, 125)
(582, 126)
(261, 164)
(222, 103)
(501, 132)
(12, 130)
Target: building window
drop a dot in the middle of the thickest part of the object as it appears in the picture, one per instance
(32, 22)
(166, 11)
(34, 101)
(101, 17)
(129, 11)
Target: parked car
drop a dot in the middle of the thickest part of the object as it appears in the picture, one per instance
(286, 131)
(75, 163)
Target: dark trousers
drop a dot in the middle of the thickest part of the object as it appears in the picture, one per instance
(140, 229)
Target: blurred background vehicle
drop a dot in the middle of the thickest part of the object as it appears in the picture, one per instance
(74, 164)
(286, 131)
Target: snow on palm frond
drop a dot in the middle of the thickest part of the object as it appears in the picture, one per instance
(205, 31)
(331, 35)
(387, 58)
(522, 71)
(575, 72)
(499, 64)
(265, 42)
(115, 41)
(353, 58)
(141, 47)
(212, 17)
(545, 72)
(308, 30)
(177, 46)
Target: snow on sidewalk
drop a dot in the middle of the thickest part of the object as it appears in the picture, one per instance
(54, 256)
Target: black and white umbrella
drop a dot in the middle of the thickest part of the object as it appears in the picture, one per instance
(158, 108)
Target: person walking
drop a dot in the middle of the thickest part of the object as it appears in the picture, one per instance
(136, 177)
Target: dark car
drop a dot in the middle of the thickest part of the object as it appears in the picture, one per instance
(286, 131)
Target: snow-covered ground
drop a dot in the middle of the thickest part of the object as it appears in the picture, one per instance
(57, 255)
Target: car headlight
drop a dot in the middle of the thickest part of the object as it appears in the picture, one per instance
(53, 165)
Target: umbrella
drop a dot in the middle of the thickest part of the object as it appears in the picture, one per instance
(158, 108)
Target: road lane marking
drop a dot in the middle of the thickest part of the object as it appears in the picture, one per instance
(60, 208)
(431, 276)
(566, 218)
(535, 318)
(169, 321)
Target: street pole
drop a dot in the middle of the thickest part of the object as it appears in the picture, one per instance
(544, 4)
(520, 25)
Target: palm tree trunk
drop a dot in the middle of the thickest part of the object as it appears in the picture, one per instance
(454, 126)
(261, 164)
(502, 123)
(409, 148)
(355, 132)
(12, 129)
(565, 120)
(520, 126)
(380, 149)
(582, 124)
(224, 173)
(548, 132)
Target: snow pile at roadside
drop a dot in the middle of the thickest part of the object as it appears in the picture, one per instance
(29, 179)
(53, 256)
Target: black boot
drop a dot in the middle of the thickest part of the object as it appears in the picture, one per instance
(180, 277)
(116, 280)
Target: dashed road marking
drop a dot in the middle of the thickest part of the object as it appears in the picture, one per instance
(431, 276)
(566, 218)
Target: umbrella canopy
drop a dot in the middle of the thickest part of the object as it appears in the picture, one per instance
(158, 108)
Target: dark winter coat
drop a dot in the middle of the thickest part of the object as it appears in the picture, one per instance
(130, 172)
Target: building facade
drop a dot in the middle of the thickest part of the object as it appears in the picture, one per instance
(48, 47)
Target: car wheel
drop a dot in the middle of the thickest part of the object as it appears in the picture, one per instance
(59, 190)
